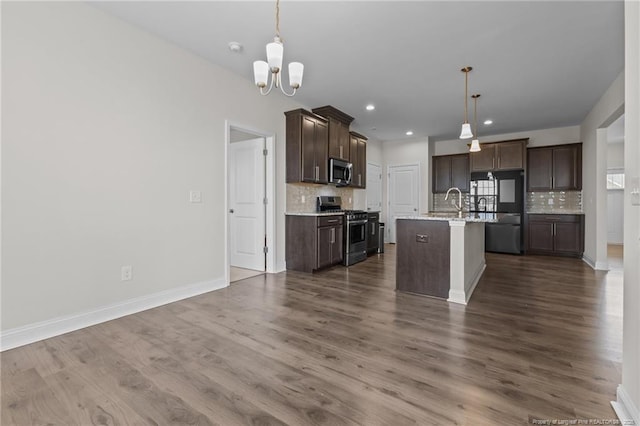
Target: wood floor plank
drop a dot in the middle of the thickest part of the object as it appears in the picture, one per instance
(540, 339)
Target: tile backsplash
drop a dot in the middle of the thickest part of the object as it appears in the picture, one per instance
(554, 201)
(439, 203)
(296, 192)
(537, 202)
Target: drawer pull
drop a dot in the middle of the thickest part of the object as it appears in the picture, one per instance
(420, 238)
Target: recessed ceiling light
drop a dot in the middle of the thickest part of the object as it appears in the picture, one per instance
(409, 133)
(370, 107)
(488, 122)
(235, 47)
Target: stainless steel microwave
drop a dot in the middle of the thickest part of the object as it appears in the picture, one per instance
(340, 172)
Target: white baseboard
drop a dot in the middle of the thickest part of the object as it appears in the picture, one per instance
(598, 266)
(31, 333)
(625, 409)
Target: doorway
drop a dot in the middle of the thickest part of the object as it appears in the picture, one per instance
(249, 203)
(615, 193)
(403, 193)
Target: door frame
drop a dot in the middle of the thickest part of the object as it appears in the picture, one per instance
(270, 193)
(388, 222)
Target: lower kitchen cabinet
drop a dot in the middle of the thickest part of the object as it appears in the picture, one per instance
(555, 234)
(373, 232)
(313, 242)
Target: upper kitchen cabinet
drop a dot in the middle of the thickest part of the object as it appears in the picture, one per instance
(557, 167)
(307, 147)
(339, 146)
(451, 171)
(507, 155)
(358, 150)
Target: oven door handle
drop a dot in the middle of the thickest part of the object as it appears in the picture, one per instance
(357, 222)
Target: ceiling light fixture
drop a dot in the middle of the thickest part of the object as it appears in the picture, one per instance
(409, 133)
(475, 143)
(488, 122)
(275, 51)
(370, 107)
(465, 133)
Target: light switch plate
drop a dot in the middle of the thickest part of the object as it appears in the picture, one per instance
(195, 196)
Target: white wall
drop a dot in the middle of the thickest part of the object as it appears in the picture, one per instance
(412, 151)
(615, 156)
(631, 336)
(105, 130)
(593, 134)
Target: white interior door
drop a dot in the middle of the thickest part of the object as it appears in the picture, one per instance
(403, 194)
(246, 204)
(374, 187)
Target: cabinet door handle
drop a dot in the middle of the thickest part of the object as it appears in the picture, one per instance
(499, 161)
(341, 156)
(333, 235)
(332, 221)
(359, 179)
(493, 163)
(317, 172)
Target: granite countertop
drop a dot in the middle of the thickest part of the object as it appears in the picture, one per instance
(447, 216)
(314, 213)
(557, 212)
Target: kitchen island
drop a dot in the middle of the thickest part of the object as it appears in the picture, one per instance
(440, 255)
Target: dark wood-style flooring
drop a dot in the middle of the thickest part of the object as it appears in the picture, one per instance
(540, 339)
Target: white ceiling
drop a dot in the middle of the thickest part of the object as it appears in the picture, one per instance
(536, 64)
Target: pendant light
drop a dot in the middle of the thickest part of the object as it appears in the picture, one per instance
(275, 52)
(466, 127)
(475, 143)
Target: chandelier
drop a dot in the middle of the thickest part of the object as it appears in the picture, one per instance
(475, 143)
(275, 51)
(466, 127)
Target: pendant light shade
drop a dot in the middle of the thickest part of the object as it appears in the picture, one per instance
(465, 133)
(275, 51)
(296, 69)
(475, 143)
(261, 73)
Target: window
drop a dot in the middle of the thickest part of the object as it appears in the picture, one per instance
(615, 180)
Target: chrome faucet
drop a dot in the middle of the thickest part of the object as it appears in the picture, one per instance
(459, 205)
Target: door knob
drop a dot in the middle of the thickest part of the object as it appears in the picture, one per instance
(231, 211)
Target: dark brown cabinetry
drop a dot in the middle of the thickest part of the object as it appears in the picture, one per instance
(423, 257)
(339, 144)
(373, 232)
(451, 171)
(507, 155)
(358, 149)
(313, 242)
(307, 147)
(556, 167)
(555, 234)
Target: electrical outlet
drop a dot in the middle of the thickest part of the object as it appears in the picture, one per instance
(126, 273)
(303, 199)
(550, 201)
(195, 196)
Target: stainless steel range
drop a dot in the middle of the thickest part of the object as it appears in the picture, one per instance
(355, 229)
